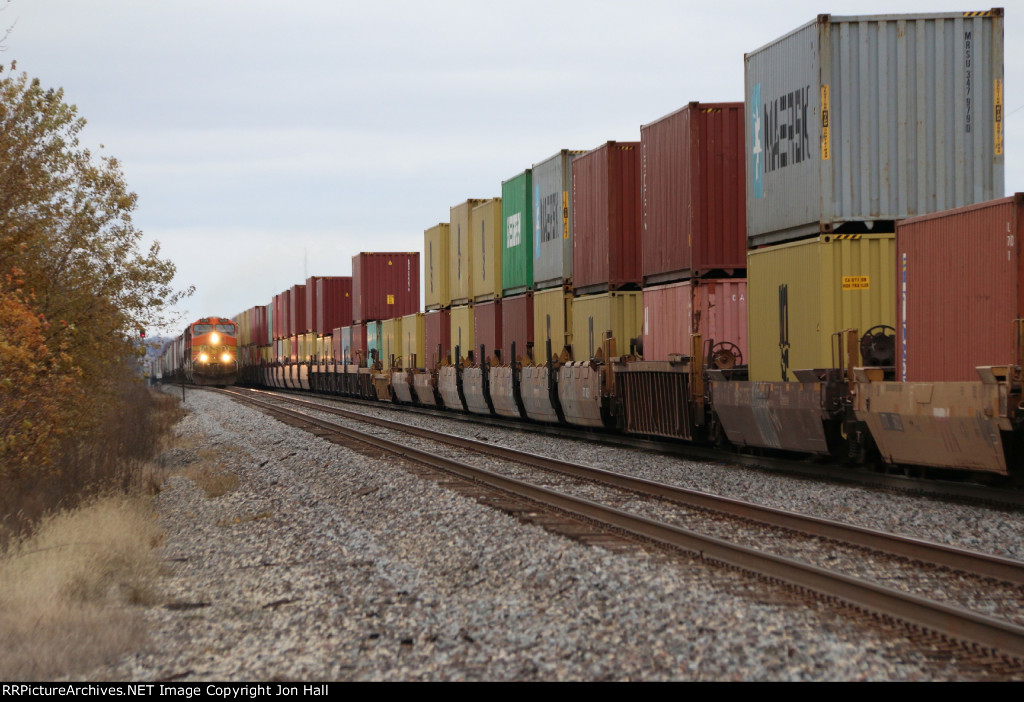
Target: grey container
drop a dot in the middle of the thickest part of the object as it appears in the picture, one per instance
(552, 220)
(855, 122)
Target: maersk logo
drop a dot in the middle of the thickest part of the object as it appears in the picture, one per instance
(513, 229)
(756, 138)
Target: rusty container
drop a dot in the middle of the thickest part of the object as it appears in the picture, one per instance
(486, 243)
(437, 292)
(333, 303)
(606, 252)
(460, 251)
(621, 313)
(385, 285)
(552, 321)
(486, 328)
(462, 331)
(693, 196)
(714, 308)
(517, 326)
(297, 322)
(960, 286)
(437, 332)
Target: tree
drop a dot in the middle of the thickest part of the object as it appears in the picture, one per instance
(71, 256)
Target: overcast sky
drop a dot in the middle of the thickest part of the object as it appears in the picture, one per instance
(268, 141)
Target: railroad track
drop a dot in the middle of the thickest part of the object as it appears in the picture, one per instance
(604, 522)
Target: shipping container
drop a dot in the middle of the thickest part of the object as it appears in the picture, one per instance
(391, 342)
(517, 326)
(311, 301)
(341, 340)
(800, 294)
(592, 315)
(374, 342)
(297, 322)
(436, 267)
(357, 344)
(693, 179)
(333, 303)
(462, 331)
(385, 285)
(271, 315)
(553, 220)
(552, 321)
(606, 218)
(486, 243)
(413, 341)
(517, 229)
(460, 251)
(714, 308)
(853, 120)
(960, 280)
(487, 328)
(437, 332)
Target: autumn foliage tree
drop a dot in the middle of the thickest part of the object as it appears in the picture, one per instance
(75, 281)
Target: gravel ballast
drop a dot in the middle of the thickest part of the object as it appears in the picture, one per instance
(327, 564)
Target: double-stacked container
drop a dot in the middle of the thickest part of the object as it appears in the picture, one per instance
(552, 219)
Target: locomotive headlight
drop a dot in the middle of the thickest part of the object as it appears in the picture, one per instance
(203, 358)
(225, 358)
(215, 338)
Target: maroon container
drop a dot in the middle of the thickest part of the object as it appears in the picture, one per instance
(385, 285)
(959, 277)
(437, 330)
(282, 314)
(258, 325)
(716, 308)
(606, 218)
(297, 310)
(693, 193)
(517, 326)
(486, 328)
(333, 303)
(311, 301)
(357, 353)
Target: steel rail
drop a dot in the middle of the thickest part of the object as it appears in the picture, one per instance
(953, 622)
(985, 565)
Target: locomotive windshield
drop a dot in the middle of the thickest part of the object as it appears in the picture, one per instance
(198, 329)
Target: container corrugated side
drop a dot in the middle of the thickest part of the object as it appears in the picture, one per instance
(801, 293)
(553, 220)
(606, 249)
(333, 303)
(593, 315)
(693, 196)
(460, 251)
(385, 285)
(374, 341)
(297, 322)
(312, 291)
(715, 308)
(391, 341)
(516, 326)
(487, 328)
(959, 289)
(486, 242)
(437, 331)
(552, 320)
(872, 118)
(413, 341)
(436, 267)
(517, 231)
(462, 330)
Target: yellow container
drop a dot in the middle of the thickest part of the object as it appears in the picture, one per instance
(592, 315)
(801, 293)
(462, 329)
(486, 243)
(390, 340)
(552, 319)
(413, 343)
(460, 251)
(436, 291)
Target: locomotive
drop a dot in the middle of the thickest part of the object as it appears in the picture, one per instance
(206, 353)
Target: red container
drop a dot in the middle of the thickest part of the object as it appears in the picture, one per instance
(693, 193)
(606, 218)
(297, 311)
(258, 326)
(311, 298)
(385, 285)
(717, 309)
(960, 280)
(333, 303)
(437, 330)
(282, 313)
(517, 326)
(357, 353)
(486, 328)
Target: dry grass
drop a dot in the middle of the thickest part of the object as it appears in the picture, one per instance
(59, 589)
(211, 480)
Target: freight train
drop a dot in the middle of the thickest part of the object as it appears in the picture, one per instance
(206, 353)
(824, 268)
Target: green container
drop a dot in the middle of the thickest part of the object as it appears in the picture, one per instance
(517, 234)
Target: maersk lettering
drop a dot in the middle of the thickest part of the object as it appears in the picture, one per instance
(786, 130)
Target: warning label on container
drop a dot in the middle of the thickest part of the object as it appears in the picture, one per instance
(826, 143)
(391, 299)
(856, 282)
(997, 90)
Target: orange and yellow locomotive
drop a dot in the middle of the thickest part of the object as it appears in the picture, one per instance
(211, 351)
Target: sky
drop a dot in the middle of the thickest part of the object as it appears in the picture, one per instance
(271, 141)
